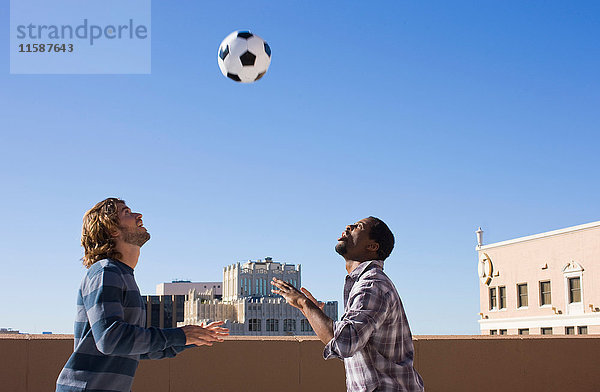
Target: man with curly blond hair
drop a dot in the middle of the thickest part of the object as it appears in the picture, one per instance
(110, 327)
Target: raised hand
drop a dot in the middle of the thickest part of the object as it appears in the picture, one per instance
(201, 335)
(320, 304)
(290, 293)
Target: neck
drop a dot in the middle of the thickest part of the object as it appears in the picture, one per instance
(130, 254)
(351, 265)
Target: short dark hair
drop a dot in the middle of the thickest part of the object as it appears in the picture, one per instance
(381, 234)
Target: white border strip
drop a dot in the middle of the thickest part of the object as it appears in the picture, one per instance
(541, 235)
(540, 322)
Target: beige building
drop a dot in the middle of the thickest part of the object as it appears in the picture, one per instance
(182, 287)
(248, 306)
(547, 283)
(254, 278)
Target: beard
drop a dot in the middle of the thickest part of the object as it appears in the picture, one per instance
(341, 248)
(135, 237)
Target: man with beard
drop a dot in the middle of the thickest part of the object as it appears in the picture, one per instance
(373, 337)
(110, 327)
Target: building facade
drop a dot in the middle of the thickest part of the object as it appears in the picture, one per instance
(248, 307)
(547, 283)
(182, 287)
(164, 311)
(166, 308)
(254, 278)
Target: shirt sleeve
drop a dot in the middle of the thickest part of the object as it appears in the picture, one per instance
(166, 353)
(366, 311)
(103, 302)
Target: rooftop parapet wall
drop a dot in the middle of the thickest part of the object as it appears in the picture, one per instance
(31, 363)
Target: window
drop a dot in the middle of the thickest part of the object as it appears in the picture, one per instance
(573, 281)
(155, 311)
(582, 330)
(547, 331)
(180, 304)
(492, 298)
(272, 325)
(522, 295)
(289, 325)
(502, 295)
(503, 332)
(168, 311)
(569, 330)
(254, 325)
(493, 332)
(545, 297)
(574, 290)
(524, 331)
(305, 326)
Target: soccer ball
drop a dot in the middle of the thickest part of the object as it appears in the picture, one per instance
(244, 57)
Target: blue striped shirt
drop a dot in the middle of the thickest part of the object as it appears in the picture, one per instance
(110, 332)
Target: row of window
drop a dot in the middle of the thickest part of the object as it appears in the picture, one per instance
(498, 294)
(581, 330)
(261, 286)
(169, 303)
(272, 325)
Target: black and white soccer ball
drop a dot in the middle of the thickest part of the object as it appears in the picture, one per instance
(244, 57)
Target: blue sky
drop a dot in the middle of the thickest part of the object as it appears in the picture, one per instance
(438, 117)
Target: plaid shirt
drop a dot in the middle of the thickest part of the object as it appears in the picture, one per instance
(110, 333)
(373, 337)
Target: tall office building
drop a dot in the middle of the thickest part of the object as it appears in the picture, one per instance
(248, 306)
(541, 284)
(164, 311)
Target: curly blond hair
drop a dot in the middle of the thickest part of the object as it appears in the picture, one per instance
(96, 235)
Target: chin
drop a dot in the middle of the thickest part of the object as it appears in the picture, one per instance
(145, 238)
(340, 248)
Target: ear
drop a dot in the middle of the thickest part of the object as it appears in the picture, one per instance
(373, 247)
(115, 233)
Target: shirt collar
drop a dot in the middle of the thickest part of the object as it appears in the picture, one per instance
(122, 265)
(364, 266)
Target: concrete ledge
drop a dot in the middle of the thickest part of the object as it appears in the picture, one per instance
(31, 363)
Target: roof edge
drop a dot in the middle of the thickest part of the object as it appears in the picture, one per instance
(540, 235)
